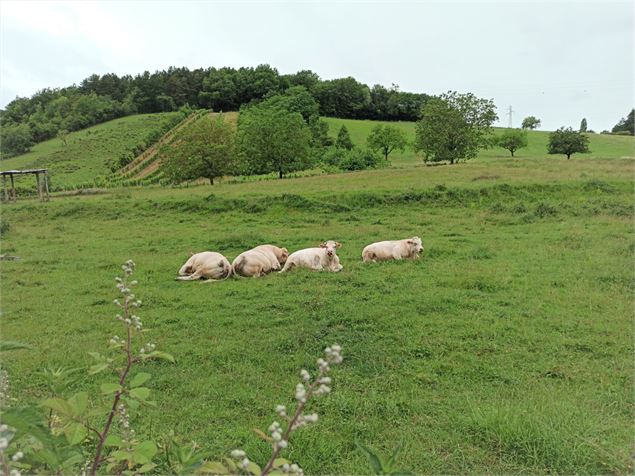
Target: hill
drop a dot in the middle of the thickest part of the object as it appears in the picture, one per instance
(92, 152)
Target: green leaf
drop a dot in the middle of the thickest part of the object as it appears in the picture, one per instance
(75, 433)
(144, 452)
(373, 459)
(160, 355)
(393, 456)
(6, 345)
(120, 455)
(108, 388)
(79, 402)
(140, 393)
(113, 440)
(231, 465)
(145, 468)
(213, 467)
(59, 405)
(278, 462)
(28, 420)
(139, 379)
(254, 469)
(95, 369)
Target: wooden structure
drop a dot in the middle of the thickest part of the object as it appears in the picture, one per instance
(42, 185)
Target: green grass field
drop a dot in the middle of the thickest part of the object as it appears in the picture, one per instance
(602, 146)
(507, 348)
(87, 153)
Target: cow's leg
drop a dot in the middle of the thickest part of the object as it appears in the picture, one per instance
(191, 277)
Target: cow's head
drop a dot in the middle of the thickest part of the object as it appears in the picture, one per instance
(225, 268)
(284, 254)
(330, 247)
(415, 245)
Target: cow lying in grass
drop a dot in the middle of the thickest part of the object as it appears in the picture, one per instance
(398, 249)
(206, 265)
(322, 258)
(260, 260)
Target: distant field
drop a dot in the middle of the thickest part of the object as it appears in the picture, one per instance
(88, 152)
(506, 349)
(601, 146)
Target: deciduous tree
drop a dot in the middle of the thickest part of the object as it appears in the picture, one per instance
(273, 139)
(206, 149)
(567, 142)
(454, 126)
(512, 140)
(385, 138)
(531, 122)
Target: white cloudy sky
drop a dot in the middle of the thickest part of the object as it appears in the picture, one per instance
(560, 61)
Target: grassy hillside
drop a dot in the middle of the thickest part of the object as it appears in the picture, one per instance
(507, 348)
(88, 153)
(601, 146)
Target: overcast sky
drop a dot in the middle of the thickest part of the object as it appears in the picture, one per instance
(560, 61)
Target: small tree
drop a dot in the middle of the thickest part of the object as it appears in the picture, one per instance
(454, 126)
(583, 125)
(567, 142)
(531, 122)
(206, 149)
(512, 140)
(344, 139)
(273, 139)
(386, 139)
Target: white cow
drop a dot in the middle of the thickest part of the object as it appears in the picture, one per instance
(398, 249)
(322, 258)
(205, 265)
(260, 260)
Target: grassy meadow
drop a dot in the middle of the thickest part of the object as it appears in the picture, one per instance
(88, 153)
(507, 348)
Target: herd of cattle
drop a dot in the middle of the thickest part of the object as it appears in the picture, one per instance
(264, 259)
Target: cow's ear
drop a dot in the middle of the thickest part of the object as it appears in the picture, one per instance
(322, 245)
(338, 244)
(285, 250)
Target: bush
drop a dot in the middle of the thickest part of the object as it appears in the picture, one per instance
(355, 159)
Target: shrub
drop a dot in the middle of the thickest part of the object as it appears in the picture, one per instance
(355, 159)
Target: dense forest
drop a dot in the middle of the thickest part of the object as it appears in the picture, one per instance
(52, 112)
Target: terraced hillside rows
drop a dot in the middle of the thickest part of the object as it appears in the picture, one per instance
(150, 164)
(85, 155)
(148, 157)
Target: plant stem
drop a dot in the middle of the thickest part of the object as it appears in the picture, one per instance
(298, 411)
(104, 434)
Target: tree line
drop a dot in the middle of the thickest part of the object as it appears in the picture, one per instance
(279, 135)
(97, 98)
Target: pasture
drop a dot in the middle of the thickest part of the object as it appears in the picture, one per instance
(88, 153)
(507, 348)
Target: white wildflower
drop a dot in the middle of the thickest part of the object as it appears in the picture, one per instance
(237, 454)
(18, 456)
(3, 444)
(283, 444)
(281, 410)
(245, 463)
(306, 376)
